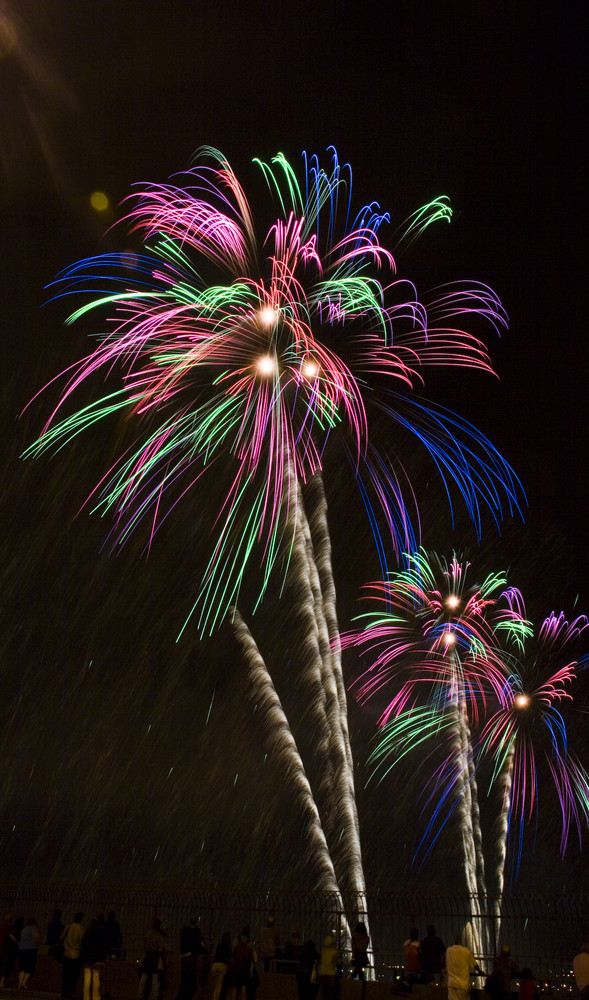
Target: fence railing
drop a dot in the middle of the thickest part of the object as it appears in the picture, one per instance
(543, 932)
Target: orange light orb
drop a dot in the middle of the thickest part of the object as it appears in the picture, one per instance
(452, 601)
(521, 700)
(310, 369)
(449, 638)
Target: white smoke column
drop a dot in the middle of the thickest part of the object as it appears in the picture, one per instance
(475, 849)
(502, 834)
(322, 544)
(461, 757)
(464, 804)
(284, 749)
(344, 793)
(313, 641)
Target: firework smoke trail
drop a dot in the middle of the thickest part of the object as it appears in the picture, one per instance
(506, 779)
(464, 809)
(486, 942)
(322, 547)
(343, 793)
(284, 748)
(314, 643)
(345, 797)
(480, 933)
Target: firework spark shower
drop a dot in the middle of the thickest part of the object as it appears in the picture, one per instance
(494, 695)
(235, 358)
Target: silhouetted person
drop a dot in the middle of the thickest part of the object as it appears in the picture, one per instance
(221, 963)
(8, 947)
(27, 952)
(506, 968)
(92, 957)
(360, 942)
(153, 963)
(190, 948)
(307, 975)
(269, 942)
(433, 954)
(245, 976)
(293, 947)
(527, 984)
(113, 937)
(55, 929)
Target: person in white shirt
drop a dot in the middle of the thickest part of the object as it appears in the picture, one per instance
(460, 961)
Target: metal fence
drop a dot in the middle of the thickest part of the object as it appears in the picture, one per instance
(544, 932)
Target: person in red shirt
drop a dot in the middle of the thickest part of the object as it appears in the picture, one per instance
(527, 985)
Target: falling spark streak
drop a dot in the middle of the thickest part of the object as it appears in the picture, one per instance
(284, 748)
(210, 709)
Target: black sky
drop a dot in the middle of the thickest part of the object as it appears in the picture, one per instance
(481, 101)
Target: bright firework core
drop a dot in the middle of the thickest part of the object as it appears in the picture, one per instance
(266, 365)
(452, 601)
(521, 701)
(449, 638)
(310, 369)
(268, 316)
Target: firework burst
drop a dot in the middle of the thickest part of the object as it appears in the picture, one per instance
(528, 727)
(232, 355)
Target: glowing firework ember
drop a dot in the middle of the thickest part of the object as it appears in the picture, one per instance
(220, 345)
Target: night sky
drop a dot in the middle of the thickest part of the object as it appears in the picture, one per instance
(124, 754)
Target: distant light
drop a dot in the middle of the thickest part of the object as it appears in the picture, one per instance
(267, 316)
(99, 201)
(521, 700)
(452, 601)
(266, 365)
(310, 369)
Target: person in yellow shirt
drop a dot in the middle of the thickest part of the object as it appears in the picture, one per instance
(72, 946)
